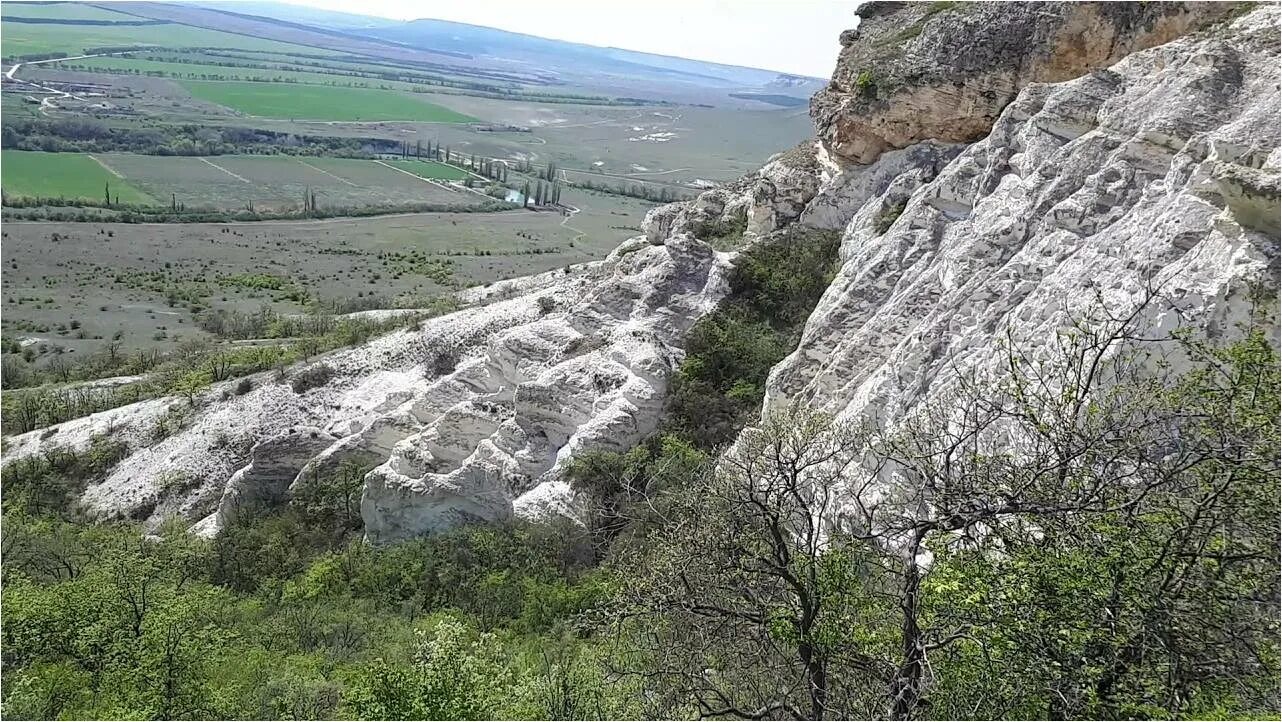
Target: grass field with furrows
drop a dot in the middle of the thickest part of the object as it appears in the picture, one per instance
(204, 71)
(431, 169)
(278, 182)
(247, 66)
(315, 102)
(62, 175)
(232, 182)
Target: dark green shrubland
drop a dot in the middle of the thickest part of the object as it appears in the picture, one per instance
(773, 288)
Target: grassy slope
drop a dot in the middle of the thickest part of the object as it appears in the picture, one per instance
(69, 175)
(62, 12)
(288, 100)
(27, 38)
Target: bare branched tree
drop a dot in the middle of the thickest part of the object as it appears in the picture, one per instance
(1086, 528)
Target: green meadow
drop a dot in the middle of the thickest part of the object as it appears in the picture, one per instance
(65, 175)
(317, 102)
(29, 38)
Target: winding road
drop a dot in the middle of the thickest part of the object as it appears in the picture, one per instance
(47, 103)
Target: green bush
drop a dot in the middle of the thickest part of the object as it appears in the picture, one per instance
(890, 212)
(774, 286)
(311, 378)
(865, 83)
(721, 233)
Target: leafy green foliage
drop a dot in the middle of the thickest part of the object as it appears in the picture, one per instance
(1121, 563)
(865, 83)
(721, 234)
(286, 617)
(773, 288)
(618, 487)
(887, 217)
(45, 483)
(1133, 611)
(457, 673)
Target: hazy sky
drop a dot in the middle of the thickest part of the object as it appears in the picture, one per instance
(796, 36)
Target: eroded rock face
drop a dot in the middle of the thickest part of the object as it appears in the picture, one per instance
(944, 71)
(265, 481)
(1161, 170)
(472, 415)
(757, 204)
(497, 431)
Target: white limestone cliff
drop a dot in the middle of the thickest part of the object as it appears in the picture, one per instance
(468, 416)
(1158, 169)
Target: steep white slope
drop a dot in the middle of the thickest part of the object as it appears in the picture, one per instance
(497, 431)
(1162, 170)
(471, 415)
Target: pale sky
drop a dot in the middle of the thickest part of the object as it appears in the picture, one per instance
(795, 36)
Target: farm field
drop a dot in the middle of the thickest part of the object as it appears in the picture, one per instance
(29, 38)
(62, 175)
(116, 277)
(225, 73)
(313, 102)
(230, 182)
(62, 11)
(676, 145)
(430, 169)
(279, 182)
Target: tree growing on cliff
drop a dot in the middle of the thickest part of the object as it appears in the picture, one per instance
(1089, 535)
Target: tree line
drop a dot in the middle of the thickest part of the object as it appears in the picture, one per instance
(77, 135)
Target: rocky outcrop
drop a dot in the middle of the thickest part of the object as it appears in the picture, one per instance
(842, 192)
(944, 71)
(497, 431)
(265, 481)
(1160, 171)
(757, 204)
(472, 415)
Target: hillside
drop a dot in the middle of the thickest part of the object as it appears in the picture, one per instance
(493, 44)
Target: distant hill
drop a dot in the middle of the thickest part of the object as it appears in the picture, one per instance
(480, 40)
(300, 14)
(568, 60)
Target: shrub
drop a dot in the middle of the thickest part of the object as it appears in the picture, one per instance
(773, 288)
(722, 233)
(890, 212)
(865, 84)
(311, 378)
